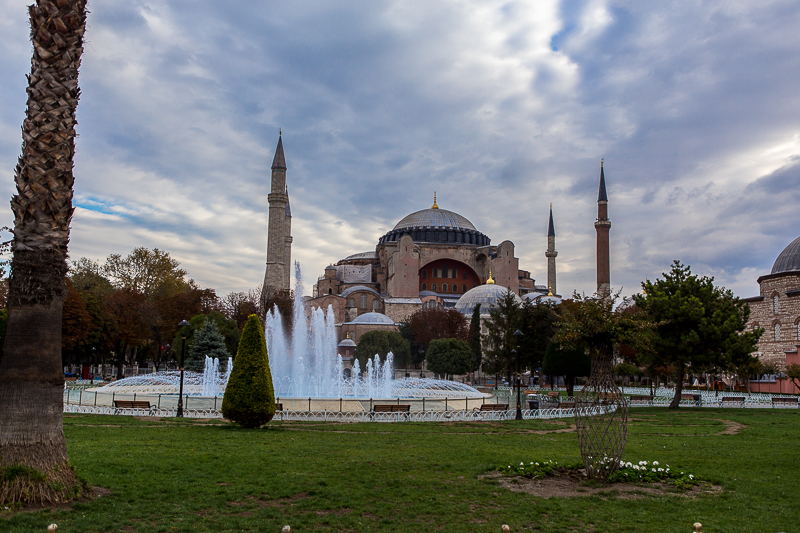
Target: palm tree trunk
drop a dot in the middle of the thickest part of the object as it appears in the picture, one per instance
(31, 378)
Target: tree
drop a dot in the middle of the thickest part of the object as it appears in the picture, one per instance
(429, 324)
(76, 324)
(417, 352)
(793, 373)
(538, 323)
(380, 343)
(127, 326)
(699, 325)
(150, 272)
(449, 356)
(475, 338)
(503, 322)
(208, 342)
(249, 398)
(226, 327)
(34, 466)
(569, 362)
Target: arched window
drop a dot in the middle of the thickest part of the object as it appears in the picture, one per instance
(777, 332)
(351, 302)
(776, 306)
(464, 287)
(424, 274)
(464, 274)
(424, 286)
(798, 331)
(444, 270)
(433, 287)
(376, 305)
(330, 291)
(363, 301)
(455, 272)
(444, 287)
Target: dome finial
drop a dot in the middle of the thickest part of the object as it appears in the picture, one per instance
(490, 281)
(601, 162)
(549, 291)
(434, 206)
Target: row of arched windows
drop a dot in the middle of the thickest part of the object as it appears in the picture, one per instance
(445, 287)
(443, 272)
(776, 331)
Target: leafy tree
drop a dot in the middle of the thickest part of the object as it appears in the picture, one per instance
(34, 466)
(417, 352)
(87, 276)
(127, 326)
(449, 356)
(226, 327)
(249, 398)
(429, 324)
(538, 323)
(570, 362)
(150, 272)
(503, 322)
(208, 342)
(76, 324)
(475, 338)
(699, 325)
(793, 373)
(381, 342)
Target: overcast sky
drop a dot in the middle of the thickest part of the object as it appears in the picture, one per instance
(499, 107)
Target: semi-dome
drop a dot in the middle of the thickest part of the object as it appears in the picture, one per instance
(486, 295)
(373, 318)
(789, 259)
(358, 288)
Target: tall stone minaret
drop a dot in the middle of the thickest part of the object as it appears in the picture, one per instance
(279, 237)
(603, 225)
(551, 255)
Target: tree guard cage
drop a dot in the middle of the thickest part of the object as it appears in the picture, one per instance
(601, 436)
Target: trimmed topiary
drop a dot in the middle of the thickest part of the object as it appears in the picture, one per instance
(249, 397)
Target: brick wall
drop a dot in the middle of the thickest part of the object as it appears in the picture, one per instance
(762, 314)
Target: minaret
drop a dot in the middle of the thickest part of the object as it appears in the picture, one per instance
(551, 255)
(278, 237)
(603, 226)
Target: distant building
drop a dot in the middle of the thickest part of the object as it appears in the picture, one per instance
(777, 307)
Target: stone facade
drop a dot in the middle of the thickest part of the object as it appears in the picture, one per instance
(777, 310)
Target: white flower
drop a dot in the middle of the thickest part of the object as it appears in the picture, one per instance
(654, 470)
(691, 476)
(660, 469)
(655, 463)
(537, 464)
(628, 464)
(667, 469)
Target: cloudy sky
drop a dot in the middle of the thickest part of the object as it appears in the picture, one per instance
(499, 107)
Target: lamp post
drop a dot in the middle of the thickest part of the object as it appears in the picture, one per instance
(518, 336)
(182, 325)
(496, 374)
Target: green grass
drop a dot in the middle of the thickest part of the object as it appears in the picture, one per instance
(184, 475)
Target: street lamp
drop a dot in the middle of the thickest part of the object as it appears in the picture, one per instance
(518, 336)
(182, 325)
(496, 374)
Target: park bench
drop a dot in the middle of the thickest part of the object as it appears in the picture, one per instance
(405, 409)
(785, 401)
(132, 404)
(691, 397)
(738, 400)
(491, 407)
(566, 405)
(642, 398)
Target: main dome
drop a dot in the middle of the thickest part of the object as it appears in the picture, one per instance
(434, 218)
(789, 259)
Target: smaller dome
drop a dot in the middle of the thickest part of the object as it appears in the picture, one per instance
(362, 255)
(373, 318)
(330, 267)
(789, 259)
(486, 295)
(357, 288)
(347, 342)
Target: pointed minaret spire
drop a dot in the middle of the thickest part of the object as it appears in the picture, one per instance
(551, 254)
(601, 195)
(279, 161)
(603, 225)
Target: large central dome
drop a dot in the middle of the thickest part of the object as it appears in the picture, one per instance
(437, 226)
(434, 218)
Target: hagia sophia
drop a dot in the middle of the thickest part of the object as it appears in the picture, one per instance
(438, 258)
(431, 258)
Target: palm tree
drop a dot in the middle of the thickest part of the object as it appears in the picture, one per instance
(33, 456)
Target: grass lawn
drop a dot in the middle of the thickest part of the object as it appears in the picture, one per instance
(180, 475)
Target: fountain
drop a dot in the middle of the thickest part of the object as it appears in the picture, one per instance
(304, 365)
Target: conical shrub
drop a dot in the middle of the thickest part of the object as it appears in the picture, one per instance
(249, 397)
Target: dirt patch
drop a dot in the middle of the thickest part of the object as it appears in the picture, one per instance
(731, 427)
(93, 494)
(572, 486)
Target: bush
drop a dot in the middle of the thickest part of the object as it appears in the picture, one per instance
(249, 397)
